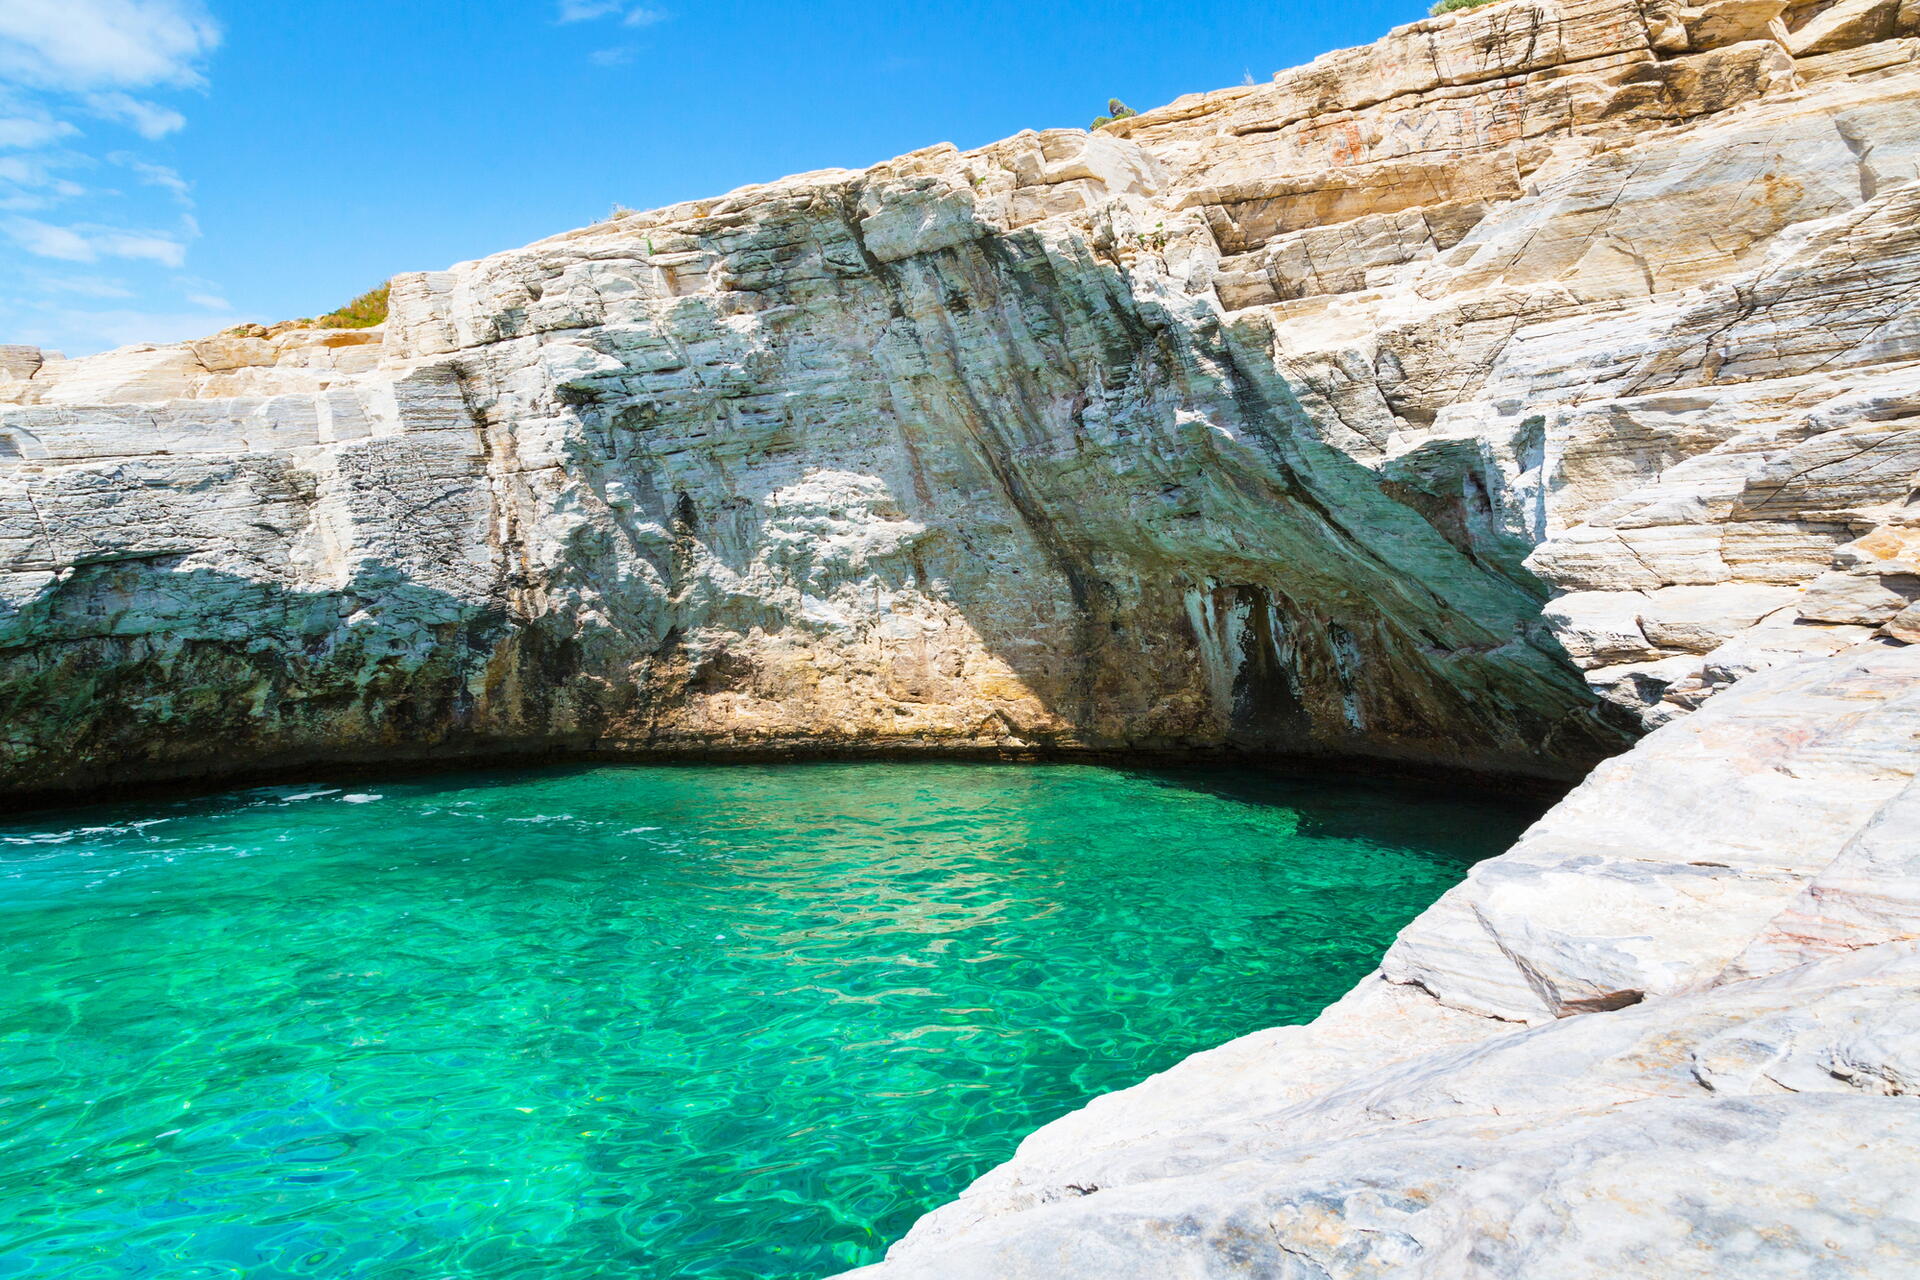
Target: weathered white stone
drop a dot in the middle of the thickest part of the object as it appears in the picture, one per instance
(19, 362)
(1861, 599)
(1701, 619)
(1745, 880)
(1655, 691)
(1868, 895)
(1600, 626)
(1779, 640)
(1536, 376)
(1650, 877)
(1846, 24)
(1754, 1129)
(1452, 290)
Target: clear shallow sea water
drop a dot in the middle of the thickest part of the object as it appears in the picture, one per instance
(732, 1020)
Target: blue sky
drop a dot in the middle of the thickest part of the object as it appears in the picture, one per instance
(171, 167)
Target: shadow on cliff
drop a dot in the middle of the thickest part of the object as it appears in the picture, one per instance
(1226, 578)
(136, 669)
(1211, 575)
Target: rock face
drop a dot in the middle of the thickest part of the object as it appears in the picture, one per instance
(1490, 396)
(1364, 412)
(1674, 1032)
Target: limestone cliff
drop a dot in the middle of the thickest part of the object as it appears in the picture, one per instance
(1361, 412)
(1488, 396)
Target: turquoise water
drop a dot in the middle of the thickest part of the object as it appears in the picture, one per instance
(650, 1021)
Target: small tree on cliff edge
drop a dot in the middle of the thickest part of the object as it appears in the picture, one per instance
(1116, 110)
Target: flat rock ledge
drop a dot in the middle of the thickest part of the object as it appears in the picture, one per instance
(1675, 1031)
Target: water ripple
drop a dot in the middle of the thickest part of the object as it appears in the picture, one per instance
(667, 1021)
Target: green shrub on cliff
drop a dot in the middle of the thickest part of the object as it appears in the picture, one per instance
(1455, 6)
(365, 311)
(1116, 110)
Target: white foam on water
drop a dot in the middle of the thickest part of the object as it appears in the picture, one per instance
(288, 794)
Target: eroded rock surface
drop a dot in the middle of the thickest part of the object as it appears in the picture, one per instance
(1490, 396)
(1672, 1033)
(1367, 411)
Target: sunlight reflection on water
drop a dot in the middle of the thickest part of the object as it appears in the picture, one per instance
(669, 1020)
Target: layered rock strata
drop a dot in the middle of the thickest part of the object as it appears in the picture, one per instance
(1489, 395)
(1481, 396)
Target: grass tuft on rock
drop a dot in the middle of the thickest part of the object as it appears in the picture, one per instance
(1455, 6)
(365, 311)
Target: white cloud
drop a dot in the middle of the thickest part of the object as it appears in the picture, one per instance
(123, 62)
(79, 45)
(47, 241)
(24, 171)
(27, 182)
(588, 10)
(33, 130)
(150, 245)
(148, 119)
(80, 286)
(83, 332)
(156, 175)
(88, 243)
(631, 15)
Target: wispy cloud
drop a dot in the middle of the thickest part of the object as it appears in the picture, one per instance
(80, 45)
(25, 171)
(87, 242)
(148, 119)
(588, 10)
(79, 286)
(35, 130)
(84, 85)
(76, 330)
(156, 175)
(30, 182)
(630, 15)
